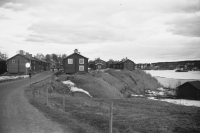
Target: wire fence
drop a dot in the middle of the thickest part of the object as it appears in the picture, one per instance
(43, 90)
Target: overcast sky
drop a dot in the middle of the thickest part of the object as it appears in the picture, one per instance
(142, 30)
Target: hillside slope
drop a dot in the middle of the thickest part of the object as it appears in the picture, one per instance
(112, 83)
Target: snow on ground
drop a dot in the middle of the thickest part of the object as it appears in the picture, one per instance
(179, 101)
(135, 95)
(73, 87)
(12, 77)
(160, 92)
(68, 83)
(183, 102)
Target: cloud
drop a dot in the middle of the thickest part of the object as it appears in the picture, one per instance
(187, 25)
(14, 6)
(140, 30)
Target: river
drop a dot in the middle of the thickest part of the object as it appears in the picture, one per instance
(170, 78)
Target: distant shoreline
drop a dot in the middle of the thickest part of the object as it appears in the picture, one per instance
(175, 78)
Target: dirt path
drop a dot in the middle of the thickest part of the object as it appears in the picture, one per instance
(18, 116)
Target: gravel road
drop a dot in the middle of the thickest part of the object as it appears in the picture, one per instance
(17, 115)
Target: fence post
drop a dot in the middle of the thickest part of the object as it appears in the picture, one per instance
(38, 91)
(47, 93)
(111, 118)
(31, 89)
(64, 103)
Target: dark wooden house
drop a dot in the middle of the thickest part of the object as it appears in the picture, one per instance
(75, 63)
(16, 64)
(124, 64)
(3, 66)
(189, 90)
(99, 64)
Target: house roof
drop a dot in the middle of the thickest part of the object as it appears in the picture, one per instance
(98, 64)
(123, 61)
(196, 84)
(98, 59)
(126, 61)
(41, 60)
(27, 57)
(77, 54)
(24, 56)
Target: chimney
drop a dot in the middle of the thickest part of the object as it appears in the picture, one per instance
(30, 55)
(27, 54)
(76, 51)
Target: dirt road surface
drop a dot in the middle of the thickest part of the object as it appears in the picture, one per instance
(17, 115)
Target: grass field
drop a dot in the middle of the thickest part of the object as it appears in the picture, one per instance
(130, 115)
(112, 83)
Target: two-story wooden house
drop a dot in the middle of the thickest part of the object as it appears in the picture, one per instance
(75, 63)
(17, 64)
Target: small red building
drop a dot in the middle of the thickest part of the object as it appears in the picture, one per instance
(125, 64)
(75, 63)
(100, 64)
(189, 90)
(16, 64)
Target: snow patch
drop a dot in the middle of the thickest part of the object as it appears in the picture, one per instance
(152, 98)
(12, 77)
(179, 101)
(68, 83)
(183, 102)
(73, 87)
(135, 95)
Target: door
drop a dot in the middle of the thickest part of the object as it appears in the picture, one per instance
(99, 66)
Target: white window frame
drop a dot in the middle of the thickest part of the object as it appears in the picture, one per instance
(81, 68)
(81, 61)
(13, 61)
(70, 61)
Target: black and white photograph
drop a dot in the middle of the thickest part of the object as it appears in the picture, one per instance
(99, 66)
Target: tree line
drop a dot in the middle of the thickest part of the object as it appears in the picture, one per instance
(47, 57)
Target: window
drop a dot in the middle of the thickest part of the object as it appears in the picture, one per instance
(13, 61)
(81, 68)
(81, 61)
(70, 61)
(99, 66)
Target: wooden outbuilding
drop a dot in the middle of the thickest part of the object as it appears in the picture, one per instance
(100, 64)
(3, 66)
(75, 63)
(189, 90)
(125, 64)
(16, 64)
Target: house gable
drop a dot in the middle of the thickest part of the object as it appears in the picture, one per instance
(78, 63)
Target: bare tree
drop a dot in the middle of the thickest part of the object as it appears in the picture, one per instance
(40, 56)
(3, 56)
(48, 57)
(64, 56)
(54, 57)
